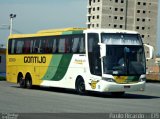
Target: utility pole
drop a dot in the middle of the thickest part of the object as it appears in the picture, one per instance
(126, 13)
(11, 22)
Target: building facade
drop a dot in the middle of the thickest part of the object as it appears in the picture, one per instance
(137, 15)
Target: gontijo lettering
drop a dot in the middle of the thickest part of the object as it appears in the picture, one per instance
(34, 59)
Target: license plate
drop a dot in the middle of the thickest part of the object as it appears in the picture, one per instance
(127, 86)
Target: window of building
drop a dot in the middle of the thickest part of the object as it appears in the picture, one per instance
(137, 27)
(122, 9)
(97, 16)
(98, 0)
(144, 11)
(89, 18)
(138, 11)
(115, 17)
(93, 17)
(122, 1)
(139, 3)
(142, 36)
(138, 19)
(143, 28)
(115, 25)
(121, 26)
(90, 1)
(94, 9)
(98, 8)
(97, 25)
(143, 20)
(121, 18)
(93, 25)
(116, 9)
(144, 3)
(116, 1)
(89, 25)
(94, 1)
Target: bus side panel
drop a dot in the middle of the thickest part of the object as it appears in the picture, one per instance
(65, 73)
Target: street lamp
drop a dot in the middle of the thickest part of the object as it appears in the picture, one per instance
(11, 22)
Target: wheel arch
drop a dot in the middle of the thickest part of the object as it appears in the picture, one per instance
(79, 77)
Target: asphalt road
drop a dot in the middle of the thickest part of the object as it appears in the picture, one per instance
(51, 100)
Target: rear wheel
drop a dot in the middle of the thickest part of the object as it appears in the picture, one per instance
(80, 86)
(28, 82)
(21, 81)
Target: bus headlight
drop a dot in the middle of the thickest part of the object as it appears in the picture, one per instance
(142, 79)
(108, 79)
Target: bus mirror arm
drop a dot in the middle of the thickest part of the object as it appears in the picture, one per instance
(151, 51)
(102, 49)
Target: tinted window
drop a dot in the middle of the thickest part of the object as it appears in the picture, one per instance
(19, 46)
(47, 45)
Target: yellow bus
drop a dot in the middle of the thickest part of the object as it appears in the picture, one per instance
(102, 60)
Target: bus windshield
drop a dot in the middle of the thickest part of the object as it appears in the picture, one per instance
(121, 39)
(124, 55)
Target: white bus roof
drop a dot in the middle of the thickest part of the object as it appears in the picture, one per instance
(110, 31)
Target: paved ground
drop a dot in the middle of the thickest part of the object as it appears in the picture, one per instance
(51, 100)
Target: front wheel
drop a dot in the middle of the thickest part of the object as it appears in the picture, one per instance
(80, 86)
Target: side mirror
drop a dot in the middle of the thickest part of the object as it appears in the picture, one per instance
(102, 49)
(151, 51)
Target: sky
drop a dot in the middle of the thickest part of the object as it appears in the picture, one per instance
(35, 15)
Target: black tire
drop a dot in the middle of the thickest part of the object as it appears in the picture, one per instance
(28, 82)
(21, 81)
(80, 86)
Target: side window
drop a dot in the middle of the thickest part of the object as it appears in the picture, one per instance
(67, 44)
(31, 47)
(26, 48)
(75, 44)
(36, 46)
(19, 46)
(78, 45)
(82, 45)
(11, 46)
(49, 45)
(54, 46)
(92, 42)
(61, 46)
(42, 46)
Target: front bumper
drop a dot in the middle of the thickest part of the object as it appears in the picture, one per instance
(104, 86)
